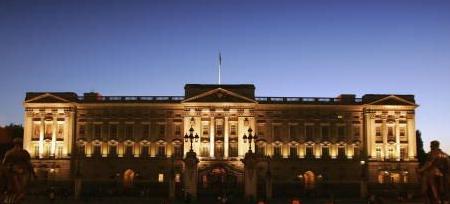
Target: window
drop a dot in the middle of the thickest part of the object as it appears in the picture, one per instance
(97, 151)
(390, 131)
(261, 130)
(113, 132)
(144, 151)
(341, 133)
(36, 151)
(129, 150)
(178, 151)
(219, 128)
(233, 151)
(205, 130)
(59, 152)
(112, 151)
(277, 132)
(402, 132)
(309, 152)
(177, 130)
(293, 151)
(260, 149)
(233, 130)
(378, 131)
(277, 151)
(309, 132)
(341, 152)
(97, 131)
(218, 149)
(82, 131)
(356, 132)
(204, 150)
(145, 131)
(129, 131)
(160, 178)
(48, 131)
(378, 134)
(293, 132)
(60, 132)
(403, 153)
(390, 153)
(161, 130)
(36, 131)
(356, 152)
(325, 152)
(325, 133)
(378, 153)
(161, 150)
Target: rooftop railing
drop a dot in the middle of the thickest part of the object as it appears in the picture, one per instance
(134, 98)
(306, 100)
(258, 99)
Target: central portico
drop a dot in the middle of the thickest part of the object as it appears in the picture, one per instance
(220, 115)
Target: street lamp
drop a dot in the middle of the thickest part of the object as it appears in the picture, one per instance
(191, 138)
(250, 138)
(363, 179)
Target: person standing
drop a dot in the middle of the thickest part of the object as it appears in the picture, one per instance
(435, 175)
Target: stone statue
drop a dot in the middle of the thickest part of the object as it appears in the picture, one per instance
(17, 171)
(434, 175)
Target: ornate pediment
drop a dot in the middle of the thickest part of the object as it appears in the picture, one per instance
(393, 100)
(219, 95)
(46, 98)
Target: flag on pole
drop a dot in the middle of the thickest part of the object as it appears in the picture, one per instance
(220, 65)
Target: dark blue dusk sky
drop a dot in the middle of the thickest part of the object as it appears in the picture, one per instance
(286, 48)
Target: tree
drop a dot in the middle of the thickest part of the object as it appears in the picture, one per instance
(421, 154)
(7, 134)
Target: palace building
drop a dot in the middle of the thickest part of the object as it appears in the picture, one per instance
(308, 142)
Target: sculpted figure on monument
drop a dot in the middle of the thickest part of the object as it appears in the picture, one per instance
(17, 171)
(434, 175)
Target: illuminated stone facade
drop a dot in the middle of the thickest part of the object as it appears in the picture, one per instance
(308, 139)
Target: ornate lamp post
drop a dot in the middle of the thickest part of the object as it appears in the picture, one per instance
(250, 139)
(191, 138)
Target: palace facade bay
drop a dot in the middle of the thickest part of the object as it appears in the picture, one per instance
(308, 144)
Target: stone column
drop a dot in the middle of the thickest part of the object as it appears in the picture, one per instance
(250, 176)
(226, 138)
(211, 137)
(397, 140)
(411, 131)
(190, 175)
(53, 143)
(41, 137)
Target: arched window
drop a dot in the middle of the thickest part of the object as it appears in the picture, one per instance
(128, 178)
(309, 180)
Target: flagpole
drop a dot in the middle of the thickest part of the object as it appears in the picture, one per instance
(220, 66)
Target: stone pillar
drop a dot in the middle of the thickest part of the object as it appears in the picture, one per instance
(250, 176)
(211, 137)
(397, 140)
(226, 138)
(53, 143)
(190, 175)
(411, 133)
(41, 137)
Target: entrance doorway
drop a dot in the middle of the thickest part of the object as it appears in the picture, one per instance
(128, 178)
(218, 181)
(309, 180)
